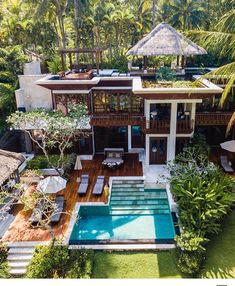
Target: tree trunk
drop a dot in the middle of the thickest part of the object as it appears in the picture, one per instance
(154, 10)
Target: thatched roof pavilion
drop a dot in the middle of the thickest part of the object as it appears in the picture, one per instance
(164, 40)
(9, 163)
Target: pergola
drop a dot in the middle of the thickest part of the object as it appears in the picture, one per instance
(164, 40)
(95, 52)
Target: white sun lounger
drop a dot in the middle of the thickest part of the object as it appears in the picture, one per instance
(99, 185)
(83, 185)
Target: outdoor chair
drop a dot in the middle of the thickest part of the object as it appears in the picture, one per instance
(99, 185)
(83, 185)
(225, 164)
(60, 207)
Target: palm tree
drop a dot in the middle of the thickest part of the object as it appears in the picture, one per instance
(223, 40)
(186, 14)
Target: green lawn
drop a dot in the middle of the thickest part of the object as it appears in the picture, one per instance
(135, 265)
(220, 261)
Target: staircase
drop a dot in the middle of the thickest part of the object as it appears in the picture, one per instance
(19, 256)
(130, 197)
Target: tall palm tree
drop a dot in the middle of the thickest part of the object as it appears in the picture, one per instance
(222, 38)
(186, 14)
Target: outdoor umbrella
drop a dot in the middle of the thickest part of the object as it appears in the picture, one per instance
(78, 164)
(228, 145)
(52, 184)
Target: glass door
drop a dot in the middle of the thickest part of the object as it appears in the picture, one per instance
(158, 150)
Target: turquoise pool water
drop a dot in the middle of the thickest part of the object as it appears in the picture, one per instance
(134, 213)
(114, 227)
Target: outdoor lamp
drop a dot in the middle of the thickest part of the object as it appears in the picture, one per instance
(154, 149)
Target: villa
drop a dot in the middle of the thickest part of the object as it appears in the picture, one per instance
(136, 127)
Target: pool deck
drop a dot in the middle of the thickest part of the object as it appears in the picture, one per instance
(21, 230)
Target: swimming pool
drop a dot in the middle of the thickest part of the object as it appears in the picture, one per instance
(134, 214)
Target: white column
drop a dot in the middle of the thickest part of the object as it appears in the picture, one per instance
(172, 137)
(147, 149)
(129, 137)
(147, 112)
(193, 113)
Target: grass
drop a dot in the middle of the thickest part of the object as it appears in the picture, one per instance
(135, 265)
(220, 262)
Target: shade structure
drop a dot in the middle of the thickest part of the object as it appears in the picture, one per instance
(228, 145)
(164, 40)
(52, 184)
(78, 164)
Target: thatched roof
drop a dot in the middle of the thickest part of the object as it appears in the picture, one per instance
(9, 162)
(164, 40)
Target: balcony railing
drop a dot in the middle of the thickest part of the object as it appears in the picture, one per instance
(212, 118)
(117, 120)
(163, 126)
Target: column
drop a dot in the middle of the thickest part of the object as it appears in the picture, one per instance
(172, 137)
(147, 113)
(193, 114)
(147, 150)
(129, 137)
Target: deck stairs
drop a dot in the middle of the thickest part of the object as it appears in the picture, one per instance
(19, 257)
(130, 197)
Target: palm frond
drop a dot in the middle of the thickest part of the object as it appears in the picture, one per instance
(230, 124)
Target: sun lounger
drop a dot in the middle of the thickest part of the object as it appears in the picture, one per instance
(5, 223)
(99, 185)
(83, 185)
(225, 164)
(60, 207)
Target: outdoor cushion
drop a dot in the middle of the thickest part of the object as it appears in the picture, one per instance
(98, 188)
(110, 155)
(83, 185)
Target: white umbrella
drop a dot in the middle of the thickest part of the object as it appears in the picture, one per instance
(52, 184)
(228, 145)
(78, 164)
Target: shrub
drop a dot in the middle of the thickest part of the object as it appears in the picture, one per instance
(190, 252)
(3, 253)
(40, 162)
(165, 74)
(4, 268)
(81, 264)
(48, 260)
(59, 262)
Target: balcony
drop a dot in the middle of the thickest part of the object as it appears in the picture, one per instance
(117, 120)
(212, 118)
(163, 127)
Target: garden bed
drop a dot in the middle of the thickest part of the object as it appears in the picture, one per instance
(167, 84)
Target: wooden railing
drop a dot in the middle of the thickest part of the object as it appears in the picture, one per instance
(212, 118)
(117, 120)
(163, 126)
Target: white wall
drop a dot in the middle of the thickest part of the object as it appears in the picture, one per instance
(31, 95)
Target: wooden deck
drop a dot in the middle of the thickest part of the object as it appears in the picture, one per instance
(21, 229)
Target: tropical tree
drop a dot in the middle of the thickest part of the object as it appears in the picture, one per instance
(186, 14)
(54, 130)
